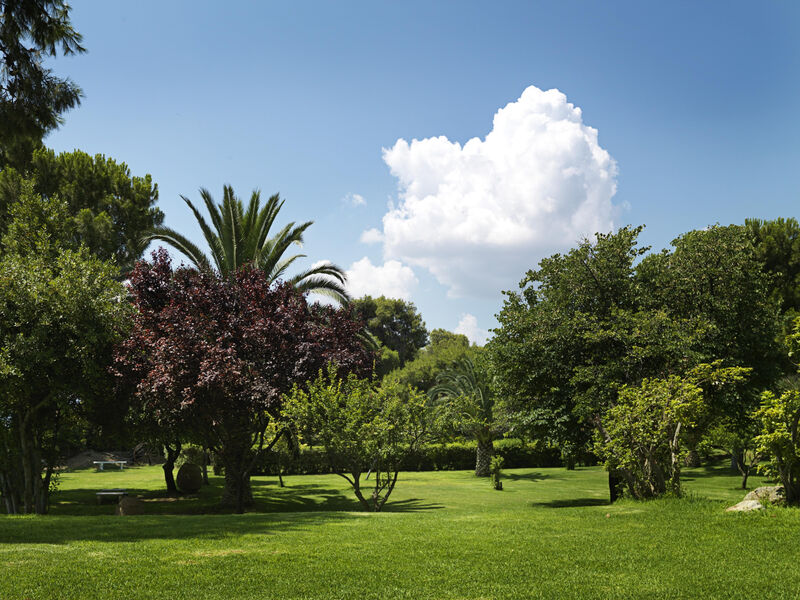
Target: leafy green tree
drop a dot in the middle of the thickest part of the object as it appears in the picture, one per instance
(60, 314)
(714, 277)
(779, 440)
(394, 322)
(442, 336)
(465, 401)
(575, 334)
(737, 436)
(239, 236)
(32, 98)
(108, 210)
(364, 429)
(441, 354)
(641, 435)
(777, 247)
(593, 320)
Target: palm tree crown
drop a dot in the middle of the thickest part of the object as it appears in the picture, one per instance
(239, 237)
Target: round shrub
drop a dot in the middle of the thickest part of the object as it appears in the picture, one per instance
(190, 478)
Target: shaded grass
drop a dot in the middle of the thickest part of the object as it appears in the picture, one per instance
(549, 534)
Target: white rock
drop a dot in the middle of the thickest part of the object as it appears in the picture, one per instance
(746, 506)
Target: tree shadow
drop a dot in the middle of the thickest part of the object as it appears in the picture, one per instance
(410, 505)
(572, 503)
(45, 530)
(533, 476)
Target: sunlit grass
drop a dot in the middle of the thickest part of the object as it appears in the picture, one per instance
(549, 534)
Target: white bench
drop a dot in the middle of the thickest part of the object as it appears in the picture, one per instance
(114, 494)
(101, 463)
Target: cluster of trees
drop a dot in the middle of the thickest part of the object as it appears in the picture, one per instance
(643, 357)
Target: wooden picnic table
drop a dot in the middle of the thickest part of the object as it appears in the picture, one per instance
(101, 463)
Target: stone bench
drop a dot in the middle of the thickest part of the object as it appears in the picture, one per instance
(114, 494)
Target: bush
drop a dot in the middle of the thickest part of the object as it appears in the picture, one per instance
(190, 478)
(496, 470)
(456, 456)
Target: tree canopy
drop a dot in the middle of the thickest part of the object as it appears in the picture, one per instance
(240, 236)
(219, 353)
(108, 209)
(60, 314)
(395, 323)
(32, 97)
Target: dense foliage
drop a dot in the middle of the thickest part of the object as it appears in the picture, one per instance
(364, 428)
(779, 440)
(60, 314)
(215, 355)
(240, 236)
(108, 209)
(445, 350)
(641, 434)
(395, 323)
(32, 97)
(591, 321)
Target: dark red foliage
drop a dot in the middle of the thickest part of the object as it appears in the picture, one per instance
(206, 350)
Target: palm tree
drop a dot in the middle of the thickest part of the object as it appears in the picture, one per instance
(465, 402)
(239, 237)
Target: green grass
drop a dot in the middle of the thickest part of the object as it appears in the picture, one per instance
(549, 534)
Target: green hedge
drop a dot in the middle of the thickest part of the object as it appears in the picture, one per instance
(430, 457)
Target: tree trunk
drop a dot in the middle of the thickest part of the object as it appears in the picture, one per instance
(237, 493)
(205, 467)
(169, 467)
(613, 486)
(485, 452)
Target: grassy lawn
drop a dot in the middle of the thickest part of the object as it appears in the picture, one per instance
(549, 534)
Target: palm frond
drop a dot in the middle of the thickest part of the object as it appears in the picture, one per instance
(182, 244)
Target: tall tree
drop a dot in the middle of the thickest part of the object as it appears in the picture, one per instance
(108, 209)
(588, 322)
(239, 236)
(215, 356)
(394, 322)
(32, 98)
(60, 314)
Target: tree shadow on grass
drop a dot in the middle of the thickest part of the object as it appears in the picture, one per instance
(49, 530)
(314, 497)
(534, 476)
(572, 503)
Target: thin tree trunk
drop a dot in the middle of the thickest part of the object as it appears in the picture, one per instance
(205, 467)
(169, 467)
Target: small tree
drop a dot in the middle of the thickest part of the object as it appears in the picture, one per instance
(779, 440)
(643, 433)
(739, 438)
(365, 429)
(465, 402)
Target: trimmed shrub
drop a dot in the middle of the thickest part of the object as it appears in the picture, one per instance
(190, 478)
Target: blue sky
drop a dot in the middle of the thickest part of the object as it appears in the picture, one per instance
(693, 105)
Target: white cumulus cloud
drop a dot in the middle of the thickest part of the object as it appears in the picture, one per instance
(468, 326)
(354, 200)
(371, 236)
(478, 216)
(392, 279)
